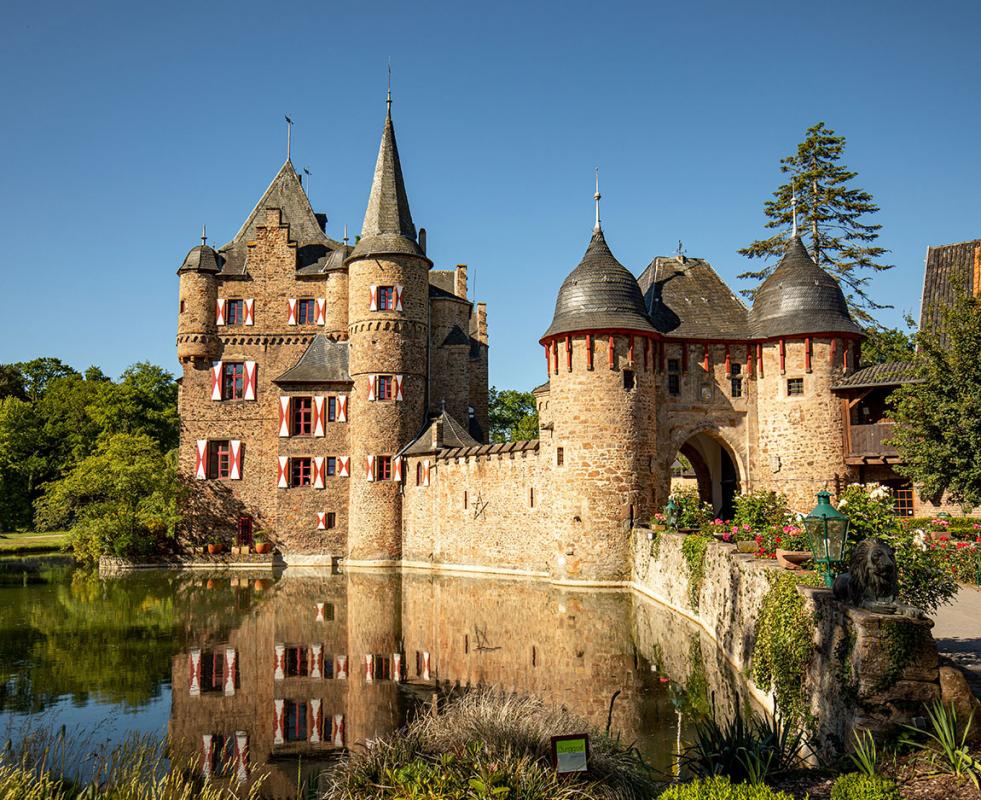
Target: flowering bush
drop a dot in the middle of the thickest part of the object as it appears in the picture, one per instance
(780, 537)
(692, 512)
(719, 530)
(760, 510)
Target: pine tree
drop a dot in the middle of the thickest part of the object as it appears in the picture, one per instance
(830, 212)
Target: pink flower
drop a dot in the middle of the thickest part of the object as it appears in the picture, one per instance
(746, 526)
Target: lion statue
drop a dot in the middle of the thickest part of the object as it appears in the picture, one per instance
(871, 580)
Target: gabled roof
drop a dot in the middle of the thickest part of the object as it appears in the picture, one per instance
(949, 267)
(894, 373)
(687, 299)
(388, 228)
(600, 293)
(286, 193)
(799, 298)
(454, 436)
(324, 361)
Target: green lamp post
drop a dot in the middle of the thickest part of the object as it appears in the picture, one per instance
(827, 529)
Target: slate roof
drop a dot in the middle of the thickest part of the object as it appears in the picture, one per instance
(454, 436)
(286, 193)
(200, 259)
(600, 293)
(439, 293)
(456, 336)
(798, 298)
(325, 261)
(388, 228)
(544, 387)
(687, 299)
(324, 361)
(893, 373)
(949, 267)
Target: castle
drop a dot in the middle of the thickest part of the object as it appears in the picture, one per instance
(336, 397)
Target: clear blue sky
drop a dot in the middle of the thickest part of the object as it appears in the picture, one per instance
(126, 125)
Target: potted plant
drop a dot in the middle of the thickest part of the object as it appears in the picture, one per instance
(215, 546)
(262, 545)
(791, 548)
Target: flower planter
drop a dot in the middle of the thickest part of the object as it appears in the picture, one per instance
(262, 547)
(792, 559)
(214, 549)
(746, 546)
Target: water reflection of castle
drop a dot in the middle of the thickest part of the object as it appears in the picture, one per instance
(325, 662)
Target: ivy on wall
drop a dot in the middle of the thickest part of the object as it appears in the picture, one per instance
(693, 548)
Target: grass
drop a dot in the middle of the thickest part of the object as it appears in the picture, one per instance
(17, 543)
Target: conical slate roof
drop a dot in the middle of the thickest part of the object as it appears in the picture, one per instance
(799, 298)
(599, 294)
(200, 259)
(388, 227)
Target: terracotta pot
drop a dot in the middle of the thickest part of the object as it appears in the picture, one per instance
(792, 559)
(659, 527)
(213, 549)
(746, 546)
(262, 547)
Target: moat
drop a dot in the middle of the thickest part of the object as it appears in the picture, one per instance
(290, 668)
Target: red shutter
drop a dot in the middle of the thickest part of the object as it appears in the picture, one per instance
(220, 311)
(398, 297)
(343, 467)
(321, 520)
(372, 298)
(369, 471)
(589, 351)
(282, 481)
(807, 354)
(250, 380)
(396, 469)
(612, 352)
(201, 460)
(318, 472)
(728, 362)
(398, 386)
(371, 387)
(235, 467)
(783, 357)
(319, 414)
(321, 304)
(337, 733)
(342, 408)
(216, 380)
(280, 726)
(250, 311)
(284, 416)
(291, 311)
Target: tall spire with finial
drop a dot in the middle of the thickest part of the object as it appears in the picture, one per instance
(389, 100)
(596, 197)
(793, 211)
(204, 235)
(345, 233)
(289, 135)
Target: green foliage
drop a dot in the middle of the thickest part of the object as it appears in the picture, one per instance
(12, 382)
(120, 500)
(883, 345)
(760, 510)
(902, 643)
(783, 649)
(720, 788)
(944, 744)
(938, 419)
(751, 751)
(830, 211)
(856, 786)
(40, 372)
(691, 512)
(693, 548)
(513, 415)
(865, 754)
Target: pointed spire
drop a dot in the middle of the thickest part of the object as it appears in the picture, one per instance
(597, 228)
(289, 135)
(793, 211)
(204, 235)
(389, 100)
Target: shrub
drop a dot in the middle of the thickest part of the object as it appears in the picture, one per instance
(720, 788)
(761, 510)
(691, 511)
(855, 786)
(693, 549)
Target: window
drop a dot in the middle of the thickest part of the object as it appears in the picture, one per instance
(234, 312)
(222, 755)
(301, 472)
(628, 379)
(330, 465)
(244, 534)
(384, 468)
(331, 523)
(297, 662)
(795, 386)
(212, 671)
(233, 381)
(219, 460)
(465, 498)
(736, 380)
(902, 504)
(302, 408)
(331, 409)
(305, 311)
(418, 473)
(383, 387)
(386, 298)
(531, 497)
(295, 722)
(559, 456)
(382, 667)
(182, 306)
(674, 376)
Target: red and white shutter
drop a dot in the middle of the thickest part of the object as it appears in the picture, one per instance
(321, 304)
(398, 386)
(337, 734)
(321, 520)
(279, 730)
(372, 298)
(249, 380)
(231, 665)
(249, 311)
(291, 311)
(396, 667)
(315, 719)
(282, 480)
(201, 460)
(318, 472)
(216, 380)
(344, 466)
(396, 468)
(207, 755)
(398, 297)
(371, 387)
(317, 659)
(194, 672)
(425, 472)
(369, 668)
(425, 665)
(319, 414)
(280, 671)
(220, 311)
(342, 408)
(242, 755)
(369, 472)
(340, 668)
(320, 613)
(284, 416)
(235, 465)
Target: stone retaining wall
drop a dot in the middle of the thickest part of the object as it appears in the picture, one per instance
(111, 565)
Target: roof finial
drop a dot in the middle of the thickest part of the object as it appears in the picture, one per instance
(596, 197)
(306, 171)
(793, 211)
(289, 135)
(389, 100)
(345, 233)
(204, 235)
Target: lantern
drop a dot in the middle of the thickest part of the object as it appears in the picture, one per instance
(827, 529)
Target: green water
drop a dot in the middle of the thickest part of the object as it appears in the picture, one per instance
(279, 662)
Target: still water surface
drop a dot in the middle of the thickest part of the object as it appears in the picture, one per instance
(286, 670)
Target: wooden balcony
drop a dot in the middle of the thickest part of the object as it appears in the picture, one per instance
(869, 444)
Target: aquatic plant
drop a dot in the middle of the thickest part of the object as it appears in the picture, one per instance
(721, 788)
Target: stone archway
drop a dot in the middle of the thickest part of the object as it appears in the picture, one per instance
(716, 469)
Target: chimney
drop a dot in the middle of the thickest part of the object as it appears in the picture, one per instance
(437, 433)
(460, 281)
(481, 323)
(422, 240)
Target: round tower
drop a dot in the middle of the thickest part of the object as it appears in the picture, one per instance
(388, 300)
(197, 336)
(600, 350)
(807, 341)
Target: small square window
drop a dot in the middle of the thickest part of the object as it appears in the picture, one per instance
(331, 465)
(383, 387)
(628, 379)
(795, 386)
(736, 387)
(219, 460)
(331, 523)
(301, 472)
(559, 456)
(302, 415)
(182, 306)
(305, 311)
(386, 298)
(234, 312)
(233, 381)
(384, 468)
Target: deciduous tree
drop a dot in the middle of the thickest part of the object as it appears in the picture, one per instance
(513, 415)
